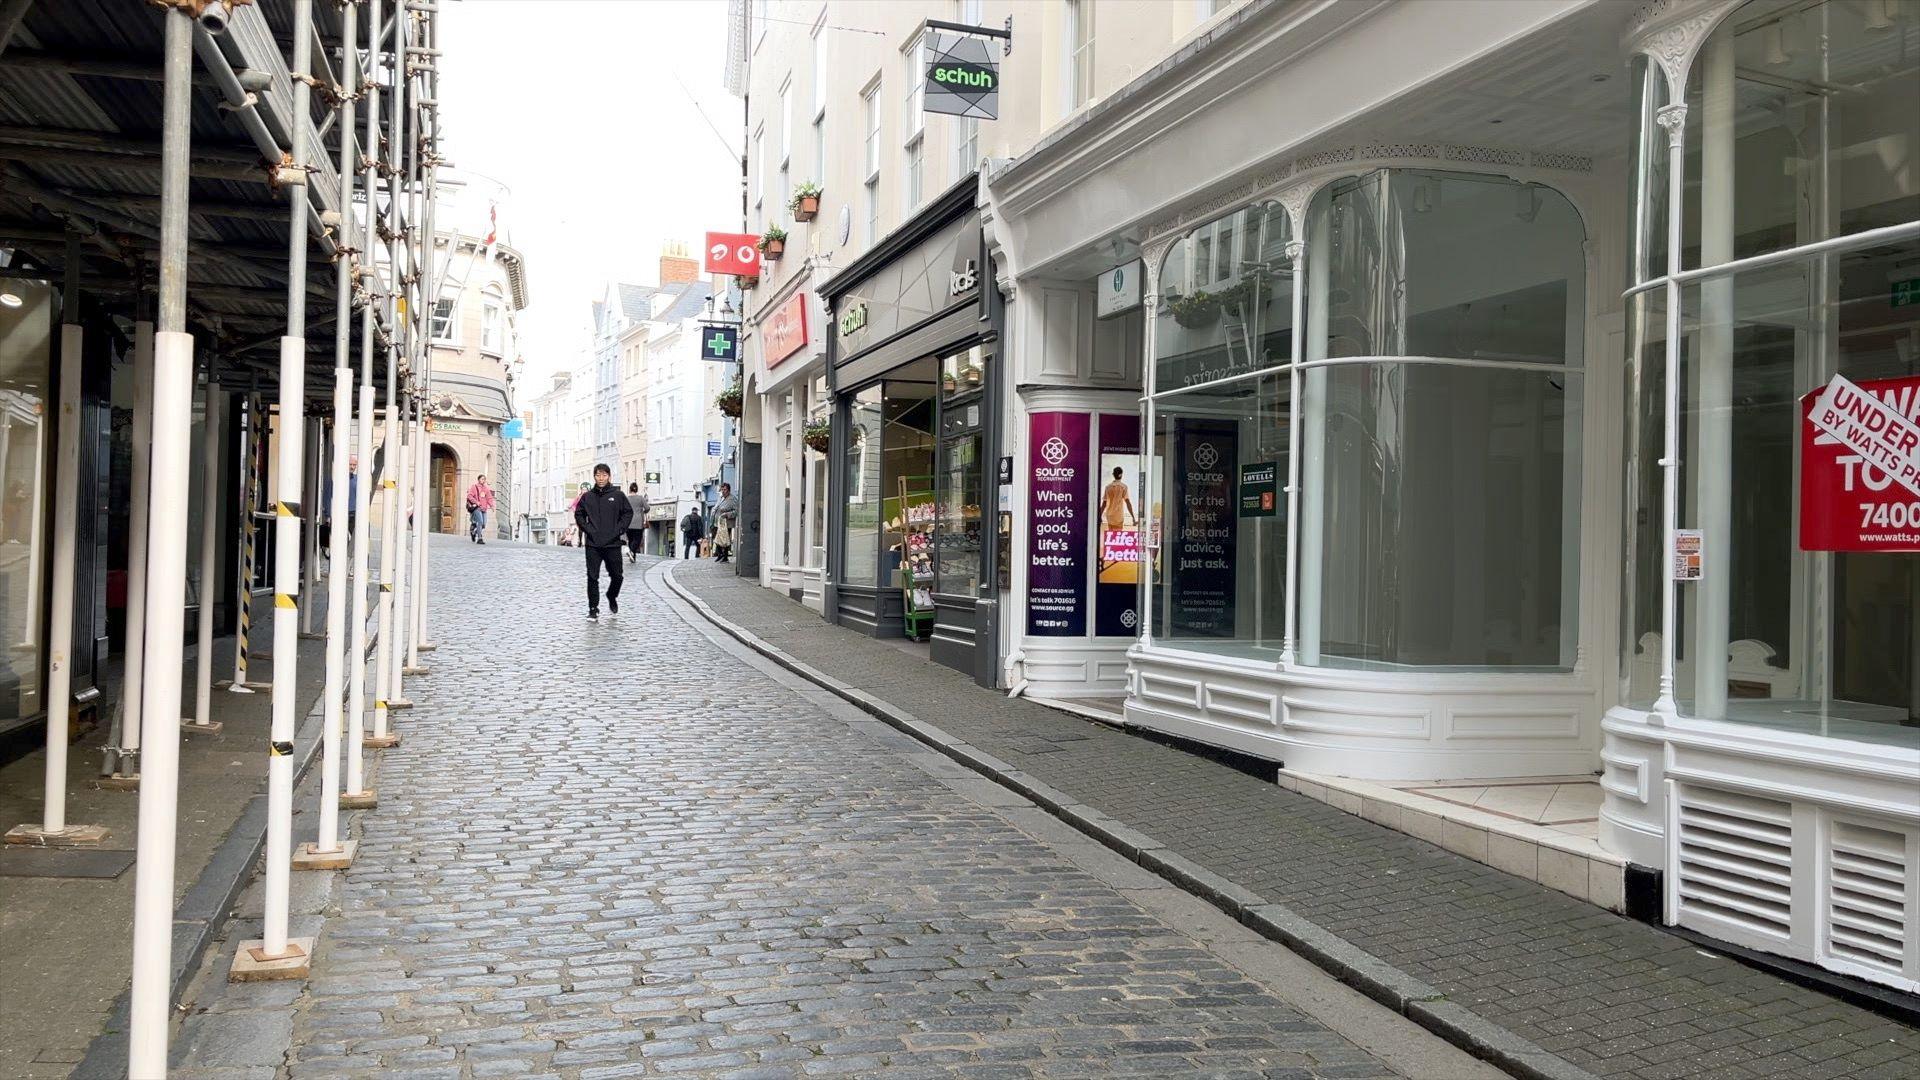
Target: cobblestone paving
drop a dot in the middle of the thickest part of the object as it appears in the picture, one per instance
(611, 850)
(1613, 996)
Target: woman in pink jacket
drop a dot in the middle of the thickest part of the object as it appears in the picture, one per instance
(479, 504)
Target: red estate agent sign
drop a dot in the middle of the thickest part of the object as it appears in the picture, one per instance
(1860, 466)
(733, 253)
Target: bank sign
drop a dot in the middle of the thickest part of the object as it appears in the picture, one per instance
(1860, 466)
(962, 78)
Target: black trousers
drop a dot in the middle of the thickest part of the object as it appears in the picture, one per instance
(610, 557)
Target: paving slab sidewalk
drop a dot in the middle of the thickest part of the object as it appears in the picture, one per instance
(1603, 993)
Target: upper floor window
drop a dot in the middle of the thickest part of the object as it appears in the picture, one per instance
(1079, 39)
(914, 94)
(870, 114)
(969, 12)
(493, 323)
(820, 65)
(757, 176)
(966, 148)
(786, 121)
(443, 326)
(759, 21)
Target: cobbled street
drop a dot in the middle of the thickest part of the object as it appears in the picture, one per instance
(623, 849)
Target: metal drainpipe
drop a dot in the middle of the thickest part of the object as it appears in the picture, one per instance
(356, 786)
(150, 1012)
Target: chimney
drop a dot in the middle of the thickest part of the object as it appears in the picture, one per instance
(677, 267)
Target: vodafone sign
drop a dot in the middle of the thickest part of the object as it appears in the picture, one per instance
(1860, 466)
(785, 333)
(733, 253)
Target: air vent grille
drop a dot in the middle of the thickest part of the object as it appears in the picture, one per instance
(1869, 913)
(1736, 861)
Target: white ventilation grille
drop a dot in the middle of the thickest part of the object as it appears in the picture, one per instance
(1735, 863)
(1869, 913)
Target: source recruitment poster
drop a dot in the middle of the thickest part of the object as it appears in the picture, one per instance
(1116, 590)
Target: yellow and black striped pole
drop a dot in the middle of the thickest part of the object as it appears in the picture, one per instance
(252, 440)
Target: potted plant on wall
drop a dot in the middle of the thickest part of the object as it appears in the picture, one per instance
(818, 435)
(804, 203)
(729, 401)
(772, 243)
(1195, 310)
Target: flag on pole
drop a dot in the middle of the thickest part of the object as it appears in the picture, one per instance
(493, 228)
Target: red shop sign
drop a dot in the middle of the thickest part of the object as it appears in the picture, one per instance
(1847, 503)
(785, 333)
(733, 253)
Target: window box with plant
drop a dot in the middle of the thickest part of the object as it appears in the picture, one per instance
(818, 435)
(772, 243)
(804, 203)
(729, 401)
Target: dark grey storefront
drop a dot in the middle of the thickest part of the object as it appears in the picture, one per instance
(913, 352)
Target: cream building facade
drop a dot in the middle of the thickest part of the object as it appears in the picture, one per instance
(476, 369)
(1406, 324)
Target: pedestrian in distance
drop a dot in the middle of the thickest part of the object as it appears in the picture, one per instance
(726, 515)
(479, 505)
(691, 530)
(602, 514)
(637, 532)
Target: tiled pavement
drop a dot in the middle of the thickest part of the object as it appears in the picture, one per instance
(1609, 995)
(631, 848)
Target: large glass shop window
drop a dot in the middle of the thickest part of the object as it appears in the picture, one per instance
(1221, 416)
(1441, 437)
(960, 472)
(860, 561)
(1801, 127)
(26, 456)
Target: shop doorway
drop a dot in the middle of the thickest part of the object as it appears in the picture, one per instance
(446, 490)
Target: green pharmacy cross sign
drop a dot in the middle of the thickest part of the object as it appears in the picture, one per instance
(962, 77)
(719, 342)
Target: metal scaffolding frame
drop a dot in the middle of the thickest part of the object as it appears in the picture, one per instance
(215, 125)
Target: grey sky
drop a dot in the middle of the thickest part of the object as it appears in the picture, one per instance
(573, 105)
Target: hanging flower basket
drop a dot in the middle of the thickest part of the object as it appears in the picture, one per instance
(1195, 311)
(804, 203)
(729, 401)
(773, 243)
(818, 436)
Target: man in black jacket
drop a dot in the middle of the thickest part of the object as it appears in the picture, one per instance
(602, 514)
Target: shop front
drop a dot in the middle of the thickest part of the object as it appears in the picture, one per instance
(1584, 444)
(787, 368)
(913, 377)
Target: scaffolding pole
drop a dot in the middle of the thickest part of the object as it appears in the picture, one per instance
(212, 417)
(328, 852)
(276, 955)
(121, 769)
(151, 999)
(357, 794)
(389, 489)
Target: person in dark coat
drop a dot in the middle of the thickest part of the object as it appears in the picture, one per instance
(692, 528)
(602, 514)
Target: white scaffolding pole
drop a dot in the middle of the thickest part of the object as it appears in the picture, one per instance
(328, 852)
(389, 490)
(151, 1007)
(276, 955)
(213, 414)
(357, 794)
(123, 764)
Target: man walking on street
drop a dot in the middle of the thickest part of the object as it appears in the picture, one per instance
(691, 529)
(602, 513)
